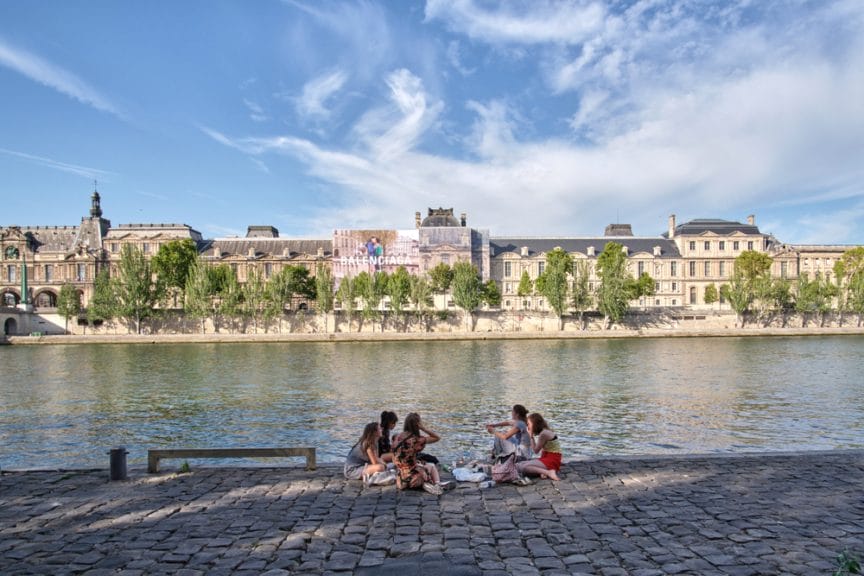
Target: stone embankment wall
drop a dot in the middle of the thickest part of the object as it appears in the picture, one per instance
(450, 322)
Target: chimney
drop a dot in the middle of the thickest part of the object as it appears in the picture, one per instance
(417, 219)
(591, 251)
(251, 252)
(671, 226)
(464, 219)
(217, 252)
(524, 251)
(751, 220)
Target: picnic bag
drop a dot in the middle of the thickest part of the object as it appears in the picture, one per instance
(505, 470)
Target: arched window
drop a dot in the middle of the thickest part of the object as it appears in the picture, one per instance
(46, 299)
(9, 299)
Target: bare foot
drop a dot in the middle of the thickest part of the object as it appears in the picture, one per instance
(552, 475)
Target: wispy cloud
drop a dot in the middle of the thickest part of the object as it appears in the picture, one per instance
(78, 170)
(454, 56)
(313, 99)
(256, 112)
(48, 74)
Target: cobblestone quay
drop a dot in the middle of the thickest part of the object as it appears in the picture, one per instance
(751, 514)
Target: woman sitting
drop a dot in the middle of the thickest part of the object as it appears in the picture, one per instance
(362, 460)
(388, 423)
(516, 439)
(544, 441)
(411, 471)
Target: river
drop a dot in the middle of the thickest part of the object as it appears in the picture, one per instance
(66, 406)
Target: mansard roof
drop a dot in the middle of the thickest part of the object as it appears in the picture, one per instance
(499, 246)
(279, 247)
(52, 238)
(714, 225)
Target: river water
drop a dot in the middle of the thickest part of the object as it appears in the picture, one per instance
(66, 406)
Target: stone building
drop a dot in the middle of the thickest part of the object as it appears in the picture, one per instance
(683, 261)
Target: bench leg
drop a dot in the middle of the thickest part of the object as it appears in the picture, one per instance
(152, 463)
(311, 463)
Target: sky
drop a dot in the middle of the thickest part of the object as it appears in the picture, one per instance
(536, 118)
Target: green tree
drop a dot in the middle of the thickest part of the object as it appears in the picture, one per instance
(68, 304)
(581, 296)
(137, 293)
(711, 294)
(399, 290)
(346, 295)
(172, 264)
(199, 292)
(254, 297)
(491, 294)
(380, 286)
(526, 286)
(229, 294)
(103, 305)
(441, 277)
(324, 292)
(421, 298)
(750, 282)
(616, 284)
(467, 289)
(814, 297)
(642, 286)
(849, 273)
(363, 288)
(554, 283)
(782, 297)
(738, 296)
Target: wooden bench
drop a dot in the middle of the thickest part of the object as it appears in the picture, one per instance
(154, 456)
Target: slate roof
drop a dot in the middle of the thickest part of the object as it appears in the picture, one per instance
(715, 225)
(53, 238)
(498, 246)
(266, 246)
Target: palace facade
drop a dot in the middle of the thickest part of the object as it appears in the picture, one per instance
(684, 260)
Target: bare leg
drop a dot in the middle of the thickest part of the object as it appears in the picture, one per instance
(536, 468)
(373, 468)
(432, 472)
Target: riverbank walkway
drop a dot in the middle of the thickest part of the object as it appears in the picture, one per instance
(643, 516)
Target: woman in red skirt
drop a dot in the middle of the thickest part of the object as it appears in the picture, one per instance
(544, 441)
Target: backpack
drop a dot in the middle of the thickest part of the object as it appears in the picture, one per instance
(505, 470)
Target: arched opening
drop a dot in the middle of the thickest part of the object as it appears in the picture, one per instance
(9, 298)
(10, 327)
(46, 299)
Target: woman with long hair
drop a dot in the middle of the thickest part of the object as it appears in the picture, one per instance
(388, 423)
(362, 459)
(544, 441)
(411, 471)
(515, 438)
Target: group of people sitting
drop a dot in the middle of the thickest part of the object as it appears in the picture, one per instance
(377, 452)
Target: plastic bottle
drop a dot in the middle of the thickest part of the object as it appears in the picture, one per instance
(486, 484)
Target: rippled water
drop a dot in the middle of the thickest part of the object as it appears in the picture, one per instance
(66, 406)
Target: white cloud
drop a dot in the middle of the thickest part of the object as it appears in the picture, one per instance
(45, 73)
(454, 56)
(316, 92)
(540, 21)
(86, 172)
(256, 112)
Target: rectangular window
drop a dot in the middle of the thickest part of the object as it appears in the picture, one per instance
(673, 269)
(115, 247)
(692, 245)
(640, 267)
(508, 269)
(145, 248)
(49, 272)
(268, 269)
(692, 269)
(707, 271)
(674, 286)
(707, 246)
(81, 276)
(784, 269)
(12, 272)
(445, 258)
(750, 245)
(657, 287)
(541, 266)
(735, 245)
(721, 245)
(722, 269)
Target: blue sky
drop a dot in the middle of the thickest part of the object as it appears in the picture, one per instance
(536, 118)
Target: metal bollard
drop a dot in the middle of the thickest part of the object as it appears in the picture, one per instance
(118, 463)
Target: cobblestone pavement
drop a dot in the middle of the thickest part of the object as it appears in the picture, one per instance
(754, 514)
